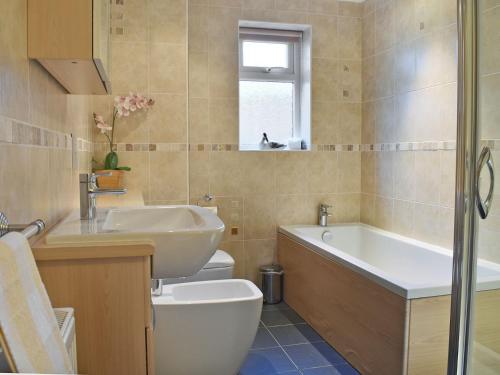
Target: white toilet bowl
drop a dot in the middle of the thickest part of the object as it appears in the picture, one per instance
(205, 328)
(219, 267)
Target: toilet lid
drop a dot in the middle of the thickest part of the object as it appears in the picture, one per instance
(220, 259)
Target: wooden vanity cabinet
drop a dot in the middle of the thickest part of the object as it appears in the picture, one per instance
(70, 38)
(109, 288)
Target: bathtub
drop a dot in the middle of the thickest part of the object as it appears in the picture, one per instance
(407, 267)
(382, 300)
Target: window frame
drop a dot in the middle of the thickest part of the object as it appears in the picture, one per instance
(292, 74)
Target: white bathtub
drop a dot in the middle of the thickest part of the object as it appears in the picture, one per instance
(409, 268)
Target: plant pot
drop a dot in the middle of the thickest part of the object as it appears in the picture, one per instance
(115, 181)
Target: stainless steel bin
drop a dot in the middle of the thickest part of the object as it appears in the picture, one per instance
(272, 283)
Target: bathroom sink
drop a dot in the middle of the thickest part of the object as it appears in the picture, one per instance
(185, 237)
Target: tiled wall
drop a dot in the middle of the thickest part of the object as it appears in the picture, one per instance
(39, 124)
(489, 117)
(158, 43)
(409, 99)
(257, 191)
(149, 56)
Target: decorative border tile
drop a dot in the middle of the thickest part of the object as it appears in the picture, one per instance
(21, 133)
(494, 144)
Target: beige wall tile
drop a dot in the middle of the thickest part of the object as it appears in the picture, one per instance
(296, 209)
(134, 128)
(349, 172)
(167, 21)
(405, 176)
(384, 74)
(383, 213)
(350, 9)
(385, 13)
(198, 75)
(225, 173)
(258, 173)
(349, 74)
(258, 253)
(258, 4)
(128, 74)
(167, 119)
(260, 219)
(292, 4)
(198, 120)
(427, 174)
(292, 172)
(129, 22)
(325, 85)
(199, 174)
(198, 28)
(223, 29)
(367, 209)
(447, 182)
(384, 173)
(223, 74)
(322, 172)
(346, 208)
(368, 180)
(167, 68)
(325, 122)
(368, 35)
(230, 211)
(385, 125)
(349, 40)
(168, 175)
(138, 178)
(488, 106)
(403, 219)
(324, 31)
(223, 117)
(323, 6)
(489, 42)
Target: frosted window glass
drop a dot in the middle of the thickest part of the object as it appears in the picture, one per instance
(266, 107)
(265, 55)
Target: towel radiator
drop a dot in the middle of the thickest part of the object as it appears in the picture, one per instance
(29, 230)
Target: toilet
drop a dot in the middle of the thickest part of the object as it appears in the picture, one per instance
(205, 327)
(219, 267)
(205, 324)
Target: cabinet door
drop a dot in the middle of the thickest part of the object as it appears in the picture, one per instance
(101, 23)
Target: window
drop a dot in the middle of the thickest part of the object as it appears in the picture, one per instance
(270, 87)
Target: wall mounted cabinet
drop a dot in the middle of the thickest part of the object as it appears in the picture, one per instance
(71, 40)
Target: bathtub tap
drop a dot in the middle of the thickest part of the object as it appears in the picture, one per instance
(324, 214)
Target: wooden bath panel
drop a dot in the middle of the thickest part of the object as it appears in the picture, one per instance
(377, 331)
(365, 322)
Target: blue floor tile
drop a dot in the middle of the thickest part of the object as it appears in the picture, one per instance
(263, 339)
(295, 334)
(344, 369)
(276, 306)
(313, 355)
(280, 317)
(266, 362)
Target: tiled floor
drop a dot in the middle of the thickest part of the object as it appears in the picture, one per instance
(285, 344)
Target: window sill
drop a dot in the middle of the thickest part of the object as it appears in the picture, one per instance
(257, 148)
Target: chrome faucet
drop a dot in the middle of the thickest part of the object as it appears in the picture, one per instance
(89, 190)
(324, 214)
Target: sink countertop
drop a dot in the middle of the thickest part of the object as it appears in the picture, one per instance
(83, 250)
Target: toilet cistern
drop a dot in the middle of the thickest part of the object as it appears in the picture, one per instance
(324, 214)
(89, 190)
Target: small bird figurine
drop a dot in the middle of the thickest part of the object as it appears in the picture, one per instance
(265, 142)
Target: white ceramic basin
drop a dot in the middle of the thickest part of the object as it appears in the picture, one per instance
(185, 236)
